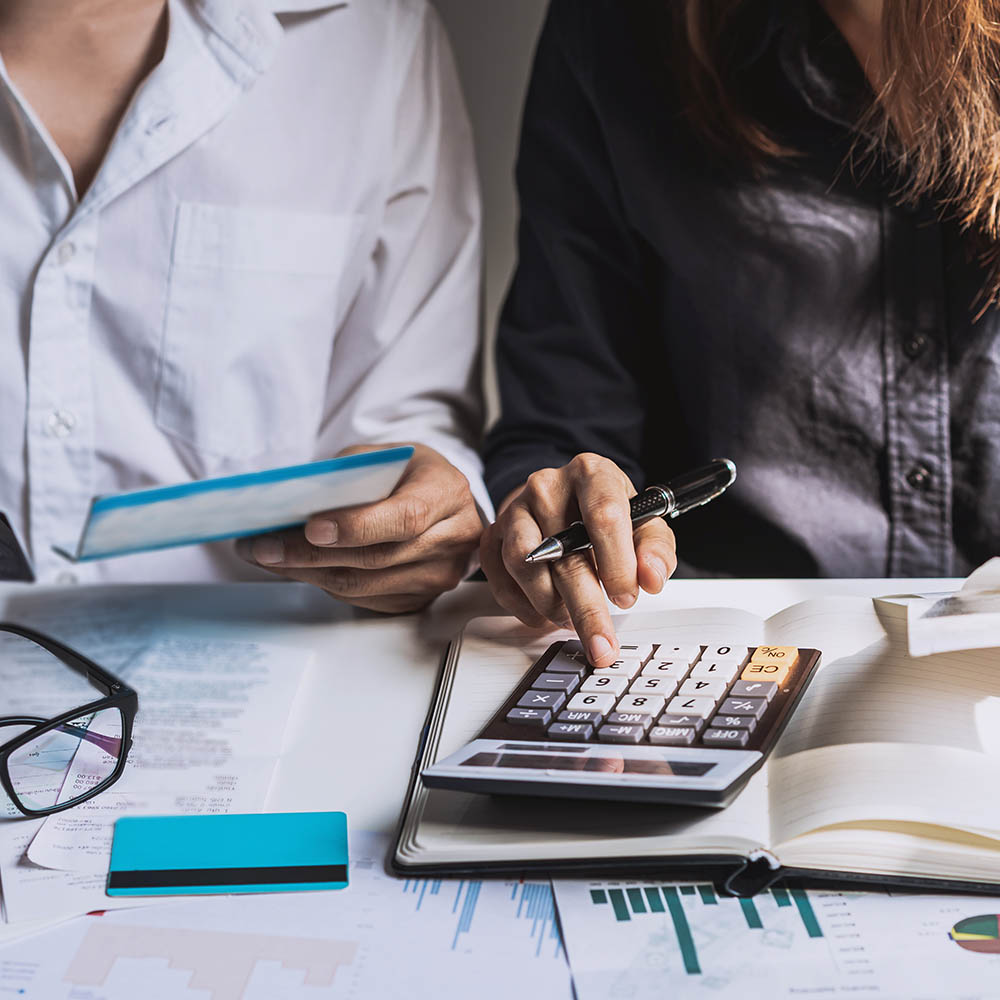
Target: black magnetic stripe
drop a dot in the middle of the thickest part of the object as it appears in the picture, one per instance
(174, 877)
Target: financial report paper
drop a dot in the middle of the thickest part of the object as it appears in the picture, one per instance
(207, 738)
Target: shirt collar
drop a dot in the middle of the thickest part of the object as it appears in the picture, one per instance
(250, 29)
(817, 59)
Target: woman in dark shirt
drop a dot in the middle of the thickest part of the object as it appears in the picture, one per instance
(730, 246)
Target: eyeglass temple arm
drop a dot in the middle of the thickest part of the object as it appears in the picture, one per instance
(74, 660)
(112, 744)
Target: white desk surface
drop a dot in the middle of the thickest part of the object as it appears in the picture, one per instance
(354, 729)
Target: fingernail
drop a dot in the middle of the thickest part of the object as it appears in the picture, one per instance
(323, 532)
(268, 551)
(659, 567)
(599, 648)
(624, 600)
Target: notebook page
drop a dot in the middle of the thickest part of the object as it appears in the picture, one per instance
(881, 735)
(458, 826)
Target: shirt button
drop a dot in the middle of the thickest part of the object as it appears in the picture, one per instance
(67, 578)
(919, 477)
(914, 346)
(66, 252)
(60, 423)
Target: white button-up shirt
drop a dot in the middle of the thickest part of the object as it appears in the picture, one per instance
(279, 257)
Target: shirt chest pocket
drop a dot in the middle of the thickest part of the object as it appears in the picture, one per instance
(248, 329)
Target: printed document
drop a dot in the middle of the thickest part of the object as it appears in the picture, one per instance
(212, 715)
(379, 938)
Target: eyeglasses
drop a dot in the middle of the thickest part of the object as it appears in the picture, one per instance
(87, 746)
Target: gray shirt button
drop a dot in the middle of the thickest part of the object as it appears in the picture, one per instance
(919, 477)
(914, 346)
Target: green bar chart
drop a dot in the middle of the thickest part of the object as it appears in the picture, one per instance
(639, 902)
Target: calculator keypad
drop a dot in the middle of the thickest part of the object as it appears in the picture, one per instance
(722, 695)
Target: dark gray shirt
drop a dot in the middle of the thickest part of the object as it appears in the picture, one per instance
(670, 307)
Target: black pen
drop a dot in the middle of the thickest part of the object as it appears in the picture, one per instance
(683, 493)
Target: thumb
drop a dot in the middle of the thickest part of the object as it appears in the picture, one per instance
(655, 553)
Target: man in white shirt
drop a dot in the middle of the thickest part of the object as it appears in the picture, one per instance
(239, 234)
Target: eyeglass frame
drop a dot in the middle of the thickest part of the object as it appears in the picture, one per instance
(118, 695)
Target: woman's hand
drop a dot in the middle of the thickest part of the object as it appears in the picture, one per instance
(568, 592)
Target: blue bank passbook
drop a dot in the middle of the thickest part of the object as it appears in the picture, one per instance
(266, 852)
(209, 510)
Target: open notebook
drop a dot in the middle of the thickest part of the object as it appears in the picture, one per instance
(887, 771)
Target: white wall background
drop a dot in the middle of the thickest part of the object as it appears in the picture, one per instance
(494, 42)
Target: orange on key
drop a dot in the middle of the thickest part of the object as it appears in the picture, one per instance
(776, 672)
(787, 656)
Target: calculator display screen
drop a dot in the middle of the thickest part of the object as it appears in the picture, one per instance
(608, 765)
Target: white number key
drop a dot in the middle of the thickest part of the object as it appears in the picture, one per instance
(643, 704)
(737, 651)
(684, 705)
(622, 668)
(602, 703)
(654, 685)
(601, 680)
(666, 668)
(710, 687)
(726, 669)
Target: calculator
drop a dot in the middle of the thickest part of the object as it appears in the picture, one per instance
(685, 724)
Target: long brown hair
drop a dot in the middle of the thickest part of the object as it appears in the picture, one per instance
(935, 117)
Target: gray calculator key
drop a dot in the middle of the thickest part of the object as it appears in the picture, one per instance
(535, 717)
(629, 719)
(556, 682)
(620, 734)
(672, 736)
(694, 721)
(754, 689)
(563, 664)
(725, 737)
(744, 706)
(553, 700)
(570, 731)
(747, 722)
(589, 718)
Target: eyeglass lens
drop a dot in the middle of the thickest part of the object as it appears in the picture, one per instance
(68, 761)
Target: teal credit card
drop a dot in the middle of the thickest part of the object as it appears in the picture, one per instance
(200, 855)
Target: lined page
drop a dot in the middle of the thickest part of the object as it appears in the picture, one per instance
(881, 735)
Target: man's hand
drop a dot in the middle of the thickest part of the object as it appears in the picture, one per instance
(395, 555)
(568, 592)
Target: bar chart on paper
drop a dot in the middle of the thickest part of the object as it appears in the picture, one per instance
(531, 907)
(422, 938)
(634, 901)
(642, 939)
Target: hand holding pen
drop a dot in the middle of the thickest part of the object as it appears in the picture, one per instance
(632, 545)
